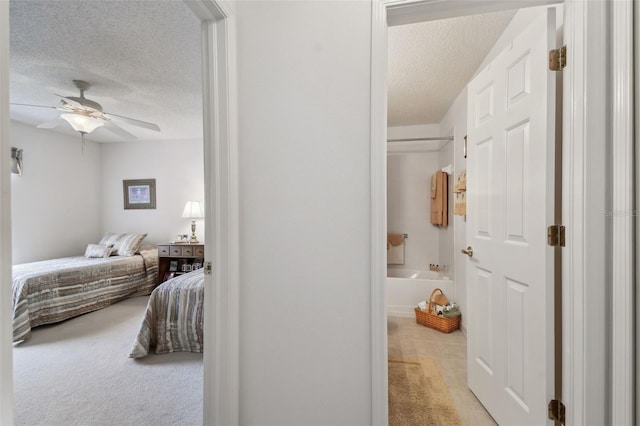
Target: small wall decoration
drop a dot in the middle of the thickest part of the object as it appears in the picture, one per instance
(139, 193)
(460, 194)
(16, 161)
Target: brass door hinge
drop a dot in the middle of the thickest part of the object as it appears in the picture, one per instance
(208, 268)
(558, 58)
(555, 235)
(556, 411)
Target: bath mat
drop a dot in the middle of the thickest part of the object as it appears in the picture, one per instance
(418, 394)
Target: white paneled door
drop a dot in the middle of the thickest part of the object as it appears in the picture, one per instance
(511, 111)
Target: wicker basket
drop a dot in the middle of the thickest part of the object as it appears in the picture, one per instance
(431, 319)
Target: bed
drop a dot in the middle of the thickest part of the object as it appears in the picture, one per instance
(174, 317)
(54, 290)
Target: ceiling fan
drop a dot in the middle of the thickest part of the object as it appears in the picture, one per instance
(85, 115)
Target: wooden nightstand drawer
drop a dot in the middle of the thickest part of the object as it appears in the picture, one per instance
(173, 257)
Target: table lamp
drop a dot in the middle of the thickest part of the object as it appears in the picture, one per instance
(193, 210)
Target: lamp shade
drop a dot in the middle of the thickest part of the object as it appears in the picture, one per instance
(82, 123)
(193, 210)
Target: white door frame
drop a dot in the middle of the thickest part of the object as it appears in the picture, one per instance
(221, 380)
(6, 327)
(586, 263)
(636, 76)
(622, 217)
(221, 307)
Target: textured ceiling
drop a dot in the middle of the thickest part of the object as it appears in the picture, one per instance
(141, 57)
(431, 62)
(143, 61)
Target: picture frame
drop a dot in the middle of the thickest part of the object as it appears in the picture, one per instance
(173, 265)
(186, 267)
(139, 194)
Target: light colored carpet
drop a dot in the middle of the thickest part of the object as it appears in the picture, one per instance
(78, 373)
(418, 395)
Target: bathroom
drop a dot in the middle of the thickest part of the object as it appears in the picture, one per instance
(427, 98)
(426, 258)
(426, 134)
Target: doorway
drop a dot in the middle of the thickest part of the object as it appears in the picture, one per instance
(505, 30)
(220, 371)
(588, 33)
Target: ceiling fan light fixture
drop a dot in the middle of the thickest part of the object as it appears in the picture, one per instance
(83, 123)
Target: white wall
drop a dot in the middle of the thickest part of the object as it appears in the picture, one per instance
(304, 102)
(413, 132)
(177, 167)
(56, 202)
(409, 206)
(455, 123)
(66, 199)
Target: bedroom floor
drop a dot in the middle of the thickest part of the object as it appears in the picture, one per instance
(408, 339)
(78, 372)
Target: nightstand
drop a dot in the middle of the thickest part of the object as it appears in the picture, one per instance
(177, 259)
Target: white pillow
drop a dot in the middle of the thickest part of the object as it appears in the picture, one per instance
(111, 239)
(98, 250)
(128, 244)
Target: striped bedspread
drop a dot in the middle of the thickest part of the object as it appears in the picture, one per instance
(174, 317)
(54, 290)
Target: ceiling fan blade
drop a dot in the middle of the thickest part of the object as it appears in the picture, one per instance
(118, 131)
(70, 101)
(133, 121)
(31, 105)
(52, 123)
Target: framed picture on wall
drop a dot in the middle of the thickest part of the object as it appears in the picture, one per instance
(139, 193)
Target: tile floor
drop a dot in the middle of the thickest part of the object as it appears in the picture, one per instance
(407, 338)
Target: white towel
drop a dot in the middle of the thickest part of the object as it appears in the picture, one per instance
(423, 305)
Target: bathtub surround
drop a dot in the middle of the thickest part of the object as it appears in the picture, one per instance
(395, 249)
(409, 189)
(409, 204)
(407, 287)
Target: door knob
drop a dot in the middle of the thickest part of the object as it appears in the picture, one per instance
(468, 251)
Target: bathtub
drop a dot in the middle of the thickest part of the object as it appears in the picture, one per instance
(407, 287)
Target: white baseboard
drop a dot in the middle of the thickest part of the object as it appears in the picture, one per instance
(400, 311)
